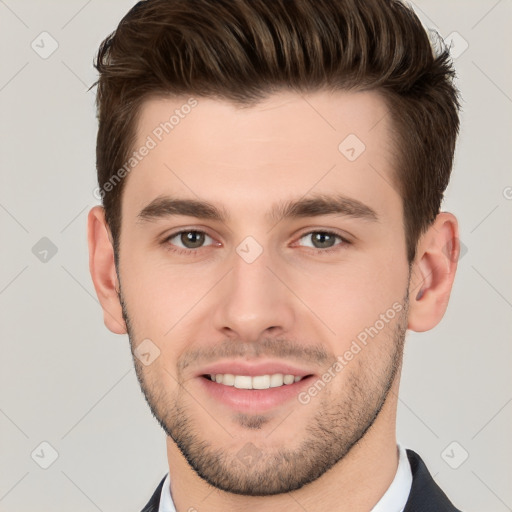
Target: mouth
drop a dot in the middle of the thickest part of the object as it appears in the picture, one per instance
(252, 390)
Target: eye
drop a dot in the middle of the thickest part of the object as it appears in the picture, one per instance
(324, 241)
(189, 239)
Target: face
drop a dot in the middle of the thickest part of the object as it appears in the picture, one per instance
(250, 287)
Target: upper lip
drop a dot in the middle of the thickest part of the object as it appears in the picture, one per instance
(246, 368)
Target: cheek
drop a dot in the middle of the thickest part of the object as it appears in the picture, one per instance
(160, 297)
(351, 299)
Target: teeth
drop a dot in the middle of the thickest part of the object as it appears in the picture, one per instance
(241, 381)
(276, 380)
(256, 382)
(227, 379)
(288, 379)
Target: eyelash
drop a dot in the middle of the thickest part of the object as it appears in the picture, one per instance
(193, 252)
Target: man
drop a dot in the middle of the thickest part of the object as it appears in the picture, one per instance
(271, 175)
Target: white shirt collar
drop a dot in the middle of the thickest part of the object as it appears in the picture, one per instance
(394, 498)
(166, 503)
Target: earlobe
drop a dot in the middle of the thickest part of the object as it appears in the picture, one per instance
(433, 273)
(103, 271)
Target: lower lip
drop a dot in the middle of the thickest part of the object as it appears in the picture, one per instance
(254, 400)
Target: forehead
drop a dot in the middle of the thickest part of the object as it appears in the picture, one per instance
(282, 147)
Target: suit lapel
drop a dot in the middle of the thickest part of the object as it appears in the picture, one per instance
(154, 503)
(425, 495)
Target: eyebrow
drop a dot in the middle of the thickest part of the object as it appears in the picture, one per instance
(313, 206)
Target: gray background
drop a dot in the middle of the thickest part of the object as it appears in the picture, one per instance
(67, 381)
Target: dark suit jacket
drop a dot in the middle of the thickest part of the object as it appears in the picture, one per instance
(425, 496)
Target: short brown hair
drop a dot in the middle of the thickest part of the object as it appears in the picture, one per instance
(244, 50)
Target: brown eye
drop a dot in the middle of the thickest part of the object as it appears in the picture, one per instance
(192, 239)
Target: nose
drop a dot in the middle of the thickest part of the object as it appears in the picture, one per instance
(253, 300)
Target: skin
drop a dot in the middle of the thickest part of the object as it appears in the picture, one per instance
(338, 452)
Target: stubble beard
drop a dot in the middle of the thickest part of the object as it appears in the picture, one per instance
(339, 423)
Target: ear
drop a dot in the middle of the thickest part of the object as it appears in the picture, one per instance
(103, 270)
(433, 273)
